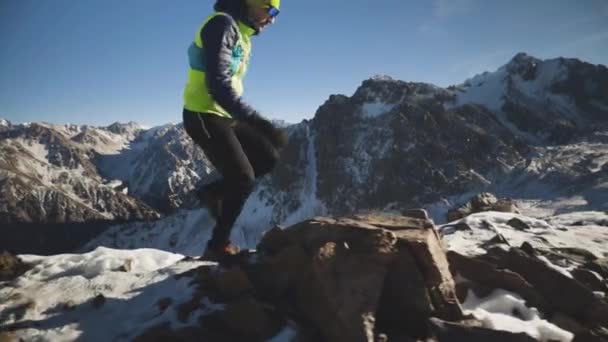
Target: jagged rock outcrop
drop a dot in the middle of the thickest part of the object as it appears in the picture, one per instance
(47, 178)
(482, 202)
(11, 267)
(359, 278)
(568, 302)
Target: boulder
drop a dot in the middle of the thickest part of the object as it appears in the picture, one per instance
(484, 201)
(11, 267)
(490, 276)
(359, 275)
(580, 302)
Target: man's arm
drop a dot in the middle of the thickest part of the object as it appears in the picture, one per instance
(219, 37)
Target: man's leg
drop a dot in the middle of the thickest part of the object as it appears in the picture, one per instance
(227, 155)
(260, 152)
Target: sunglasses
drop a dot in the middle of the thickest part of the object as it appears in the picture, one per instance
(273, 11)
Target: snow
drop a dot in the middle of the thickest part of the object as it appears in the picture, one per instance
(4, 123)
(375, 109)
(542, 233)
(310, 204)
(486, 89)
(59, 290)
(503, 310)
(185, 232)
(287, 334)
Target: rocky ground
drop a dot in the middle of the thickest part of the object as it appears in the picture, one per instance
(490, 275)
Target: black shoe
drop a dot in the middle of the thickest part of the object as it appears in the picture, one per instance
(211, 201)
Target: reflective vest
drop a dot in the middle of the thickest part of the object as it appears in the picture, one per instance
(196, 93)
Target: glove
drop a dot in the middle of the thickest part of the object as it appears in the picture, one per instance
(277, 137)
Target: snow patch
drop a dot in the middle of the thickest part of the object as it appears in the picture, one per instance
(61, 290)
(487, 89)
(310, 204)
(374, 109)
(503, 310)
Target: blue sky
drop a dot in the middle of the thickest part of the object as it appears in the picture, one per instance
(101, 61)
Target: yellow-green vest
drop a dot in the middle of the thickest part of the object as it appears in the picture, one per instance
(196, 93)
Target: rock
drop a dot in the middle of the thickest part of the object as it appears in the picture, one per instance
(594, 335)
(233, 282)
(590, 279)
(518, 224)
(7, 336)
(126, 267)
(498, 239)
(70, 305)
(99, 301)
(417, 213)
(599, 266)
(482, 202)
(577, 255)
(11, 267)
(430, 256)
(490, 276)
(249, 319)
(164, 303)
(472, 332)
(528, 248)
(580, 302)
(344, 271)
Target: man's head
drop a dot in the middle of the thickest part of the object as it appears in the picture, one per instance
(262, 13)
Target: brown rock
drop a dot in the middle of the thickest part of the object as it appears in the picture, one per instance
(429, 254)
(580, 302)
(351, 269)
(7, 336)
(249, 318)
(232, 282)
(482, 202)
(590, 279)
(274, 240)
(405, 304)
(417, 213)
(11, 267)
(488, 275)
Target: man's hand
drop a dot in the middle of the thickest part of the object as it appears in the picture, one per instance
(277, 136)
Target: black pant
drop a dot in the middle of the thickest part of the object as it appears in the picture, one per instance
(240, 154)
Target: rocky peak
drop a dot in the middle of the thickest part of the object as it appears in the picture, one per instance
(523, 65)
(129, 128)
(5, 125)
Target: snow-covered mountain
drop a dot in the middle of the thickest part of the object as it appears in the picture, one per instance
(533, 130)
(394, 145)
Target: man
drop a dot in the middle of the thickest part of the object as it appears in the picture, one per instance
(240, 143)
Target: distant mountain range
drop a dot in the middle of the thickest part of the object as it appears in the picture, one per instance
(533, 130)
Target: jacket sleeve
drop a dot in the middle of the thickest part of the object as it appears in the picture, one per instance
(219, 36)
